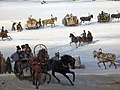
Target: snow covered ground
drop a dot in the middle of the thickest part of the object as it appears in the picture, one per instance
(57, 39)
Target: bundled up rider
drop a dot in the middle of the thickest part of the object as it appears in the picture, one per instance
(19, 27)
(2, 69)
(16, 57)
(89, 37)
(40, 23)
(28, 51)
(13, 26)
(52, 18)
(23, 54)
(84, 35)
(2, 31)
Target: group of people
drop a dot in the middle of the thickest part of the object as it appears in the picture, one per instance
(87, 37)
(21, 57)
(17, 27)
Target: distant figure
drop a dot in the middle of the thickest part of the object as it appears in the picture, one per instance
(28, 51)
(89, 37)
(19, 27)
(8, 66)
(13, 27)
(43, 2)
(84, 35)
(57, 56)
(16, 58)
(40, 24)
(2, 64)
(2, 31)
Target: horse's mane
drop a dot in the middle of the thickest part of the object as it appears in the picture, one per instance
(72, 35)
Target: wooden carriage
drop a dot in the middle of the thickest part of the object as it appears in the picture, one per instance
(32, 23)
(5, 36)
(70, 20)
(104, 17)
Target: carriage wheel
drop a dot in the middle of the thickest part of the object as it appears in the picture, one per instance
(38, 47)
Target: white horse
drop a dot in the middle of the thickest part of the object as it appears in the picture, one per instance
(105, 57)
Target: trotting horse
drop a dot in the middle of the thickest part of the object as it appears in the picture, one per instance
(105, 57)
(75, 40)
(38, 66)
(116, 16)
(88, 18)
(62, 66)
(49, 21)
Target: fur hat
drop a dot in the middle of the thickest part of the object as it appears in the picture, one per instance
(22, 46)
(18, 47)
(27, 46)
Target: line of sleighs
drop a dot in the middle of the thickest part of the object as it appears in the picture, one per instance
(69, 20)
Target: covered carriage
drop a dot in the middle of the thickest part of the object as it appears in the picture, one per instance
(32, 23)
(103, 17)
(70, 20)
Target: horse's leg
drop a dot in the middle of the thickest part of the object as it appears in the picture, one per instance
(104, 65)
(9, 37)
(70, 43)
(37, 83)
(3, 39)
(76, 45)
(52, 25)
(49, 77)
(115, 65)
(99, 64)
(44, 78)
(68, 78)
(33, 78)
(53, 73)
(110, 64)
(73, 75)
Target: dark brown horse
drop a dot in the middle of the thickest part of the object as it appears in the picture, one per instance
(87, 18)
(75, 40)
(62, 66)
(38, 66)
(116, 16)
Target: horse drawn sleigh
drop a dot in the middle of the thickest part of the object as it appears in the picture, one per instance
(70, 20)
(34, 24)
(104, 17)
(4, 35)
(40, 64)
(81, 40)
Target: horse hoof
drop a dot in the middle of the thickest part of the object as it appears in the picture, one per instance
(48, 82)
(33, 83)
(36, 87)
(58, 81)
(73, 80)
(72, 84)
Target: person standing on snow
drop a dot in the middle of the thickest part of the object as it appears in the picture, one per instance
(16, 57)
